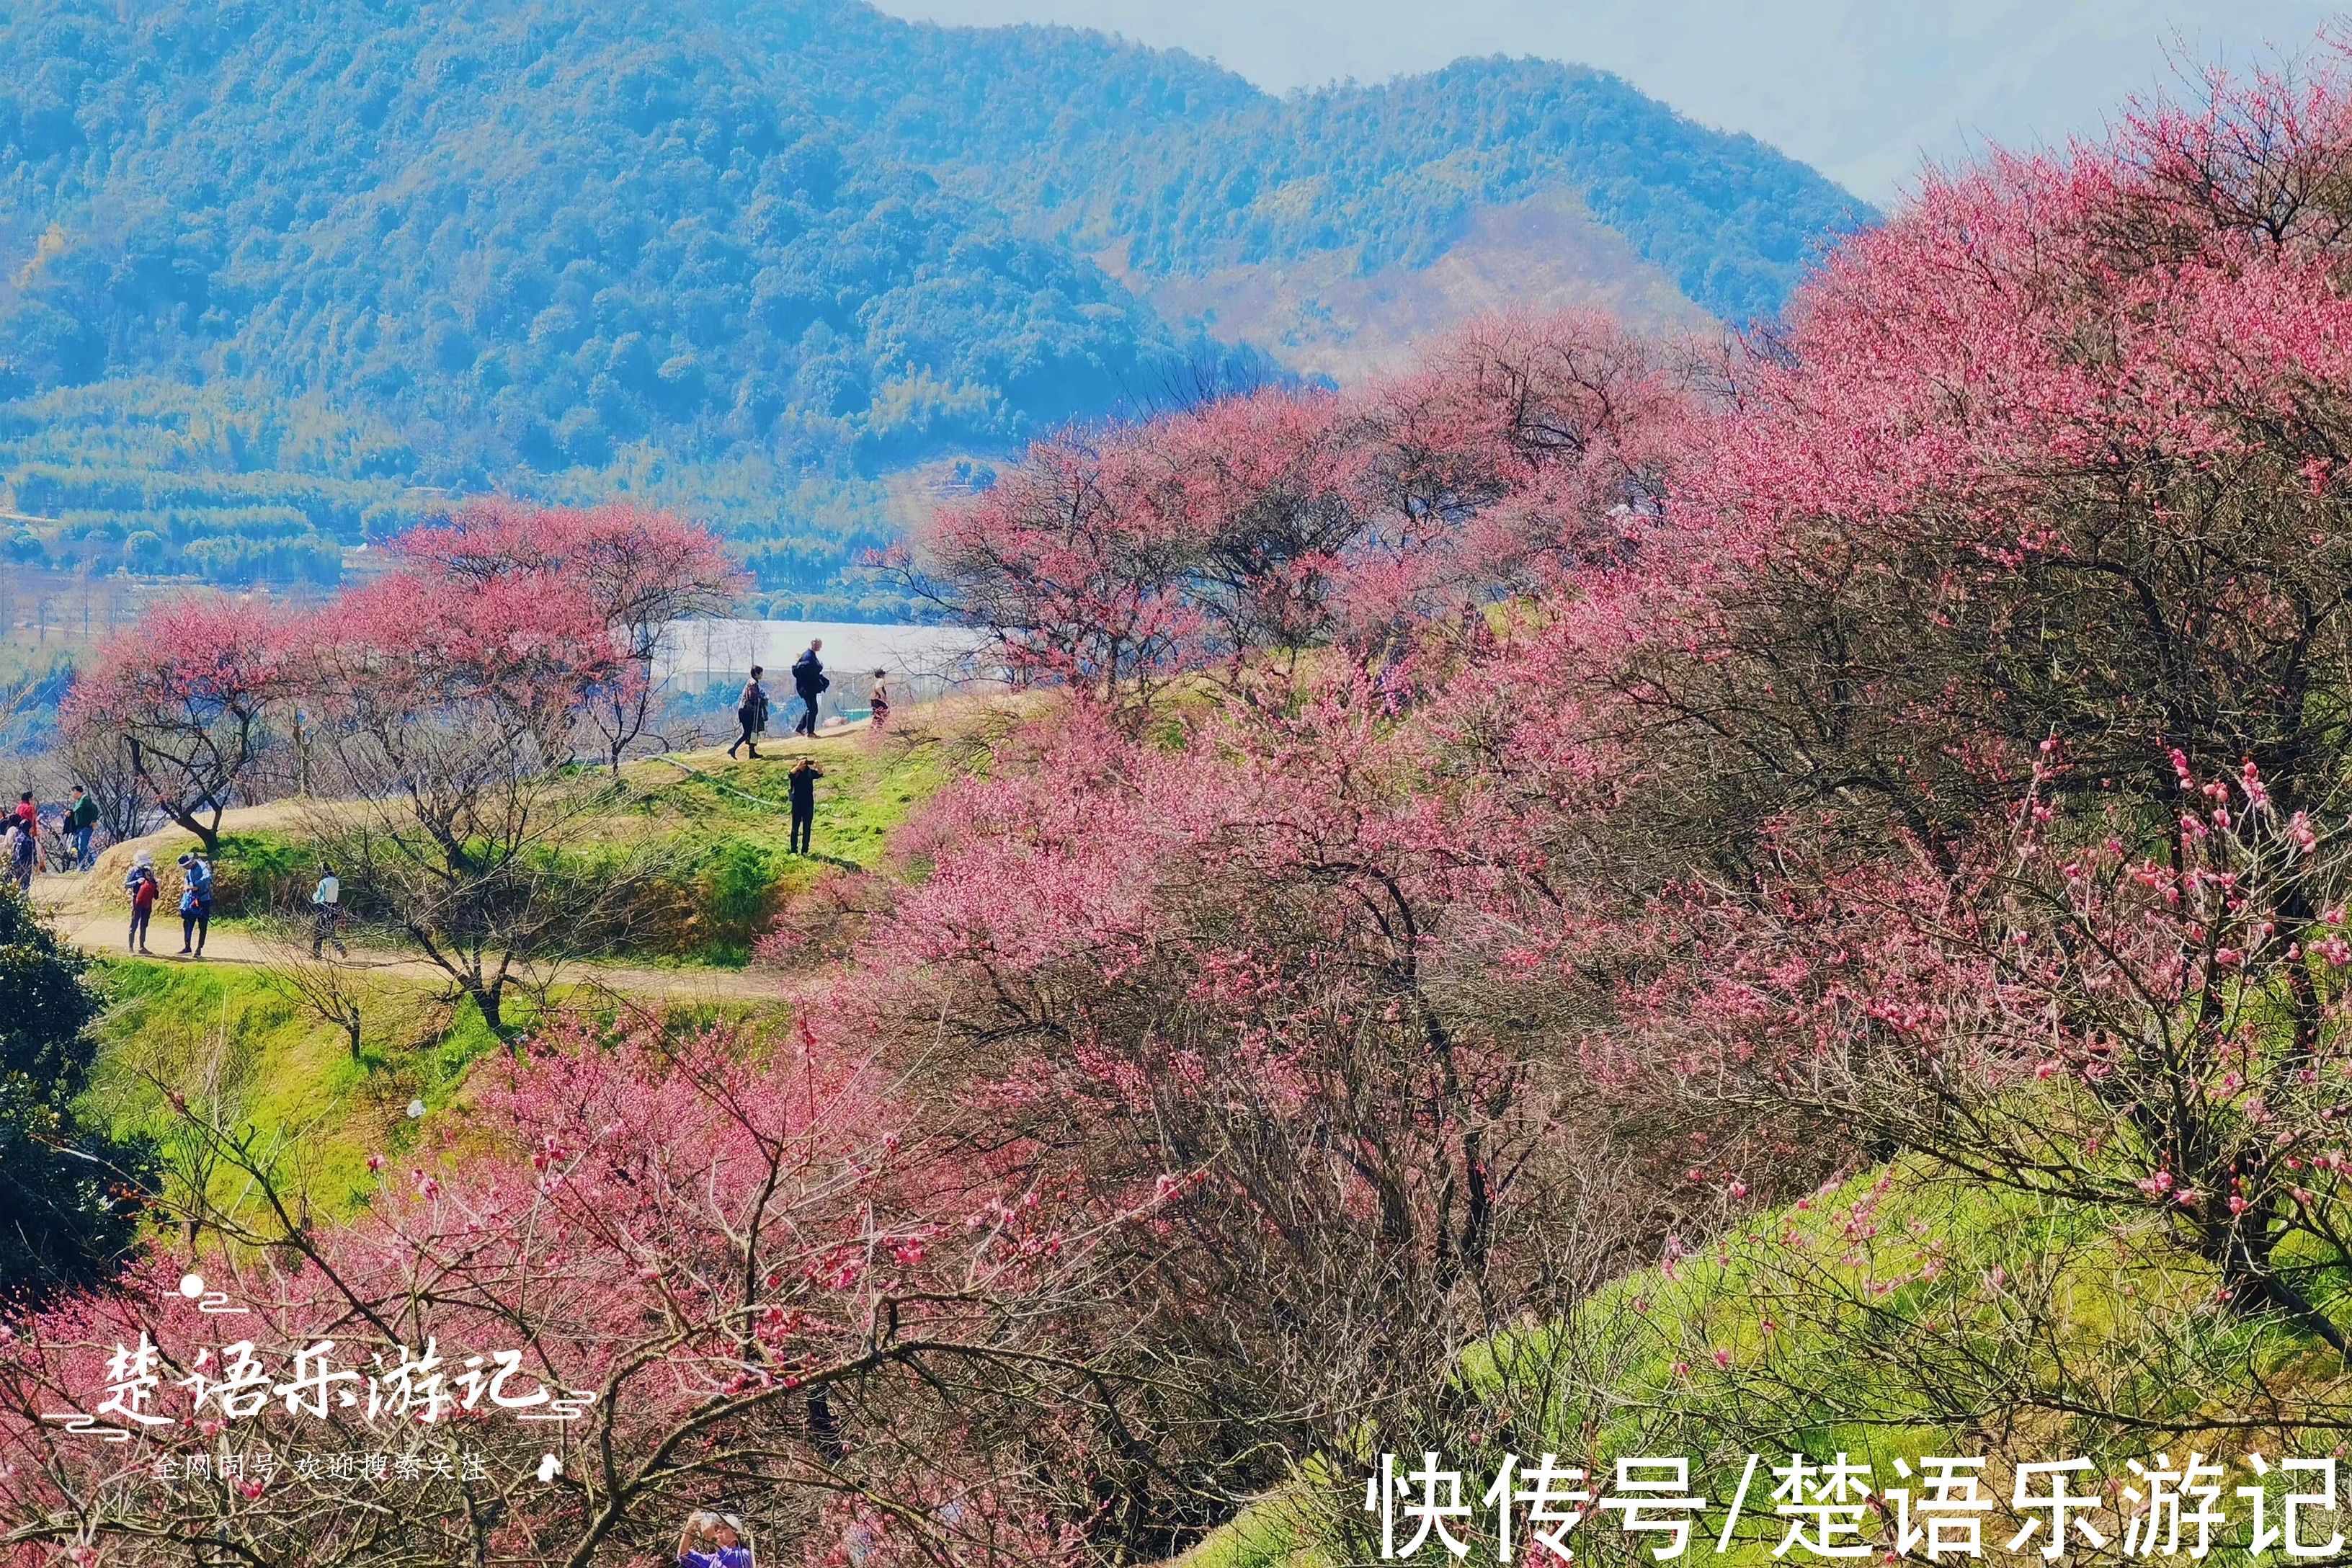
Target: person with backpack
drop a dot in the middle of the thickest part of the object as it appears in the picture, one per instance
(752, 713)
(810, 680)
(21, 851)
(81, 821)
(196, 903)
(28, 817)
(327, 913)
(141, 883)
(802, 780)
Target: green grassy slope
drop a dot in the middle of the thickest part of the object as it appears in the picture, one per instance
(1899, 1315)
(239, 1050)
(720, 830)
(728, 825)
(235, 1046)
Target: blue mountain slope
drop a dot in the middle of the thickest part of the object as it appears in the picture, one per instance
(722, 249)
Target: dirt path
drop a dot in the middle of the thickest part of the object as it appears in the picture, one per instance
(102, 934)
(90, 913)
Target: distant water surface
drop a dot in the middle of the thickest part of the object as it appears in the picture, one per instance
(698, 654)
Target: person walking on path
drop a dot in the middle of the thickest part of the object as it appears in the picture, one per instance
(327, 913)
(140, 882)
(809, 679)
(751, 712)
(196, 904)
(802, 780)
(880, 702)
(81, 821)
(20, 854)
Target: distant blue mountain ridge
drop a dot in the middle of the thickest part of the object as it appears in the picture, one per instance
(1196, 168)
(275, 279)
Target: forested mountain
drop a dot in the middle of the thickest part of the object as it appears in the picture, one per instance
(1192, 168)
(746, 254)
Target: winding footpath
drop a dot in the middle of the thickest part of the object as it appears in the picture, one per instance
(90, 913)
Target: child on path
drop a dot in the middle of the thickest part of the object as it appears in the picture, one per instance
(141, 884)
(880, 702)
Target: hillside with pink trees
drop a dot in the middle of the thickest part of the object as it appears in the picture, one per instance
(1596, 898)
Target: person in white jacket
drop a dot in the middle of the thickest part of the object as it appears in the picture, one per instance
(327, 913)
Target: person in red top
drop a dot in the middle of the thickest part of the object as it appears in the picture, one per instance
(28, 821)
(143, 888)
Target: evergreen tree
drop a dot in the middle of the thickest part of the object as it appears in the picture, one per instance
(69, 1194)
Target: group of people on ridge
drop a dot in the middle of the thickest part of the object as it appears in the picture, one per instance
(77, 824)
(144, 886)
(21, 843)
(810, 682)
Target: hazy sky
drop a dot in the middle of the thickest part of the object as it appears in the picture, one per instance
(1863, 90)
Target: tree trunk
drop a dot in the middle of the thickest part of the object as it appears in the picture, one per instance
(487, 998)
(2256, 1286)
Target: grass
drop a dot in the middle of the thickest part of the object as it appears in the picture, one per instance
(1268, 1533)
(224, 1038)
(1897, 1314)
(260, 869)
(234, 1046)
(728, 826)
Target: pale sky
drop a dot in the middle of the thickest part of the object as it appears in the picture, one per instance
(1863, 89)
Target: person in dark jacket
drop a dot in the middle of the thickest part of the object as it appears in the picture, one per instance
(751, 712)
(80, 823)
(802, 780)
(809, 679)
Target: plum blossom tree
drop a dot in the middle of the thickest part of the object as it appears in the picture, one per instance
(197, 695)
(740, 1271)
(2058, 450)
(443, 714)
(642, 570)
(2100, 1011)
(1280, 520)
(1987, 689)
(1308, 972)
(1071, 585)
(1538, 447)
